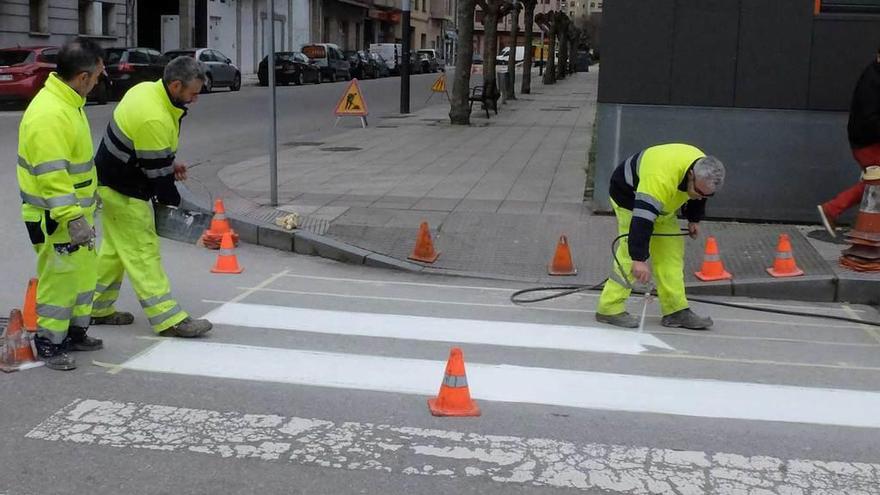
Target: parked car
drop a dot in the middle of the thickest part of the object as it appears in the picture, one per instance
(329, 59)
(23, 72)
(390, 52)
(434, 62)
(360, 65)
(219, 68)
(478, 59)
(381, 64)
(127, 67)
(504, 56)
(290, 67)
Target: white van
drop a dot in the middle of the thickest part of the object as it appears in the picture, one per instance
(391, 52)
(504, 56)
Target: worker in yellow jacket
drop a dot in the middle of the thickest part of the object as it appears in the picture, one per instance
(647, 190)
(56, 178)
(136, 165)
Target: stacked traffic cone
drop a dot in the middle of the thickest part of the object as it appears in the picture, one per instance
(30, 306)
(17, 352)
(713, 268)
(226, 260)
(455, 396)
(424, 248)
(784, 264)
(562, 264)
(212, 237)
(864, 253)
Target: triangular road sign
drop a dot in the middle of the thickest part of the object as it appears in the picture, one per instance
(352, 103)
(440, 84)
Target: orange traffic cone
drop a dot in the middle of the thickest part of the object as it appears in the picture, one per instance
(17, 353)
(30, 306)
(226, 260)
(212, 237)
(424, 249)
(455, 396)
(784, 264)
(713, 268)
(562, 263)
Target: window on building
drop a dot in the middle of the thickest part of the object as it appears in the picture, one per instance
(478, 17)
(39, 12)
(423, 41)
(108, 23)
(850, 6)
(424, 5)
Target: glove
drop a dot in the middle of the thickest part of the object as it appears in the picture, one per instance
(81, 233)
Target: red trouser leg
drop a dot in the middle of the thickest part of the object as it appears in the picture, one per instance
(852, 196)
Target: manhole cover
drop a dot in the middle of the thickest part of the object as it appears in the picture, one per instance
(303, 143)
(341, 148)
(555, 109)
(387, 126)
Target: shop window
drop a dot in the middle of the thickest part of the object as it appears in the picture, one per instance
(848, 6)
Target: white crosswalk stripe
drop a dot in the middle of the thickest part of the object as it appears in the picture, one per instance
(417, 451)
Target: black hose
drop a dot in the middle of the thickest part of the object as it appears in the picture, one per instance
(566, 290)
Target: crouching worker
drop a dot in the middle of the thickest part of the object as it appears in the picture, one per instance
(647, 190)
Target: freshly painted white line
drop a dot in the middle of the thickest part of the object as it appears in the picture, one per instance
(409, 284)
(543, 462)
(505, 383)
(870, 330)
(503, 333)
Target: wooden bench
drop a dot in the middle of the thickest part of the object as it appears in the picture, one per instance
(478, 93)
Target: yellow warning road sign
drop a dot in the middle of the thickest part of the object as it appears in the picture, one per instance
(352, 103)
(440, 84)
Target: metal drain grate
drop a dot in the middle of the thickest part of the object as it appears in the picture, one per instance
(318, 226)
(303, 143)
(556, 109)
(341, 148)
(396, 116)
(386, 126)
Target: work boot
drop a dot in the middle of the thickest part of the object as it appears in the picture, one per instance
(624, 320)
(54, 355)
(117, 318)
(686, 319)
(79, 341)
(188, 329)
(827, 221)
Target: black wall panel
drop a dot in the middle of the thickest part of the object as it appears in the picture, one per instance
(636, 51)
(773, 65)
(704, 52)
(842, 47)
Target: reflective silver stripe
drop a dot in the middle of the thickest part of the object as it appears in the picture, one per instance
(647, 215)
(55, 336)
(711, 257)
(153, 154)
(220, 216)
(117, 132)
(54, 202)
(627, 172)
(225, 252)
(86, 202)
(105, 288)
(42, 168)
(81, 321)
(616, 278)
(455, 381)
(102, 304)
(52, 311)
(158, 319)
(153, 301)
(783, 256)
(651, 200)
(84, 298)
(159, 172)
(115, 151)
(81, 168)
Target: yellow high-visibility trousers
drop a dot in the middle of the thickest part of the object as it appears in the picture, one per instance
(66, 277)
(667, 266)
(130, 245)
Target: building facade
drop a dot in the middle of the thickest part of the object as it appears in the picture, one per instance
(52, 22)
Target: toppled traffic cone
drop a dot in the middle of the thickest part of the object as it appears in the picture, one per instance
(562, 263)
(226, 260)
(424, 248)
(455, 396)
(713, 268)
(212, 237)
(864, 253)
(784, 264)
(30, 306)
(17, 353)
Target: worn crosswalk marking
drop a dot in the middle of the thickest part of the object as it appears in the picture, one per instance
(418, 451)
(507, 383)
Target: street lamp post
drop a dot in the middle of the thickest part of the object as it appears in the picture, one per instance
(404, 67)
(273, 133)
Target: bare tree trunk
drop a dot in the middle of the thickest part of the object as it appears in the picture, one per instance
(460, 111)
(490, 52)
(530, 37)
(572, 52)
(550, 69)
(511, 60)
(562, 32)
